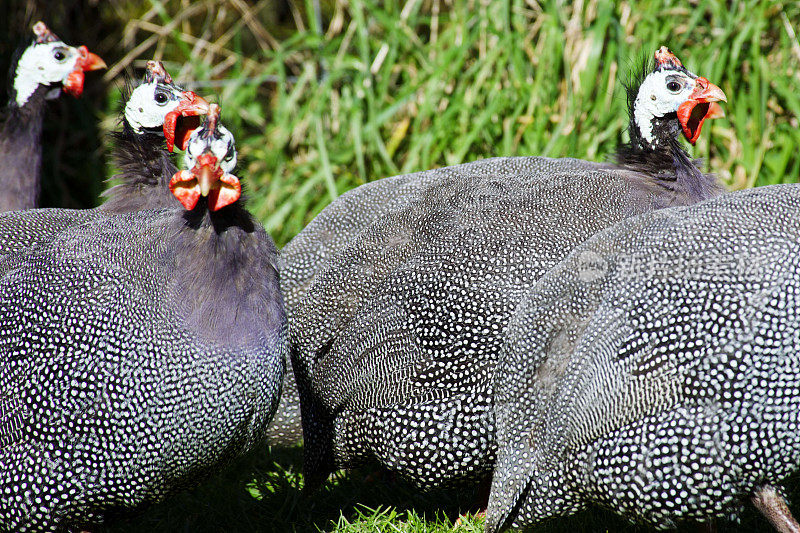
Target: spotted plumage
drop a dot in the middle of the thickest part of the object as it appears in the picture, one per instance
(655, 369)
(138, 352)
(395, 340)
(333, 229)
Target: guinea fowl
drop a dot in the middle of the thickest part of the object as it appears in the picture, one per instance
(156, 111)
(654, 150)
(655, 370)
(394, 343)
(138, 351)
(42, 70)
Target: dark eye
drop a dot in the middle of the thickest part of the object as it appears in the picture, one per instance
(161, 98)
(59, 55)
(673, 86)
(229, 156)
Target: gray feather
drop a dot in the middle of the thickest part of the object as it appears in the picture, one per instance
(656, 368)
(395, 341)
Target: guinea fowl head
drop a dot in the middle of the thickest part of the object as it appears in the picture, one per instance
(668, 100)
(49, 61)
(158, 105)
(210, 157)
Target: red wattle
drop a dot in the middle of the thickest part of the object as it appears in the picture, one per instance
(690, 124)
(185, 188)
(228, 191)
(74, 83)
(170, 121)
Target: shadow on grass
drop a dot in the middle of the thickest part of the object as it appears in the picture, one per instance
(262, 493)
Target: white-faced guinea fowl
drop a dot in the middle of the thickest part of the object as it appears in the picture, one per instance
(655, 370)
(395, 341)
(139, 351)
(45, 68)
(654, 149)
(156, 112)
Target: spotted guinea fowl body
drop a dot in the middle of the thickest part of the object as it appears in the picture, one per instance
(397, 338)
(123, 374)
(331, 231)
(655, 370)
(138, 352)
(394, 343)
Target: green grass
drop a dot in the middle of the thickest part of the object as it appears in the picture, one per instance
(423, 83)
(388, 87)
(263, 493)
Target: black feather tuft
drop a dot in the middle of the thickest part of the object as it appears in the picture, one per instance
(642, 67)
(145, 171)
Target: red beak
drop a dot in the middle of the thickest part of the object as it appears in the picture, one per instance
(715, 111)
(86, 61)
(700, 105)
(89, 61)
(205, 179)
(190, 105)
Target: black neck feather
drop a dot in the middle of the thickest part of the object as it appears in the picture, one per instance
(145, 170)
(21, 152)
(664, 160)
(226, 275)
(666, 164)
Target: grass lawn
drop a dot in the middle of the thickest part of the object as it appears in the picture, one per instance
(262, 493)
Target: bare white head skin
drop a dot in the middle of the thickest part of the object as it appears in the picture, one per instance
(150, 103)
(220, 144)
(43, 64)
(662, 92)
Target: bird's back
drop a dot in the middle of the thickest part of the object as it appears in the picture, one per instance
(21, 231)
(109, 397)
(403, 326)
(333, 229)
(654, 356)
(310, 251)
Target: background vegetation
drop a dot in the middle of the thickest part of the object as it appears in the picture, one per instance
(324, 95)
(323, 98)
